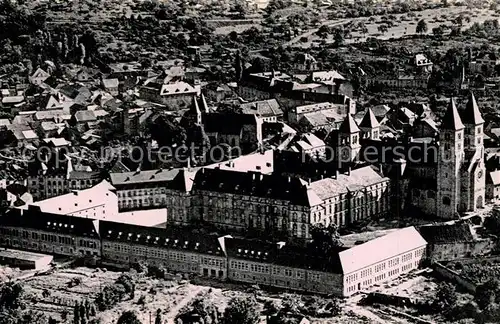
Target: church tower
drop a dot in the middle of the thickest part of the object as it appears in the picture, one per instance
(450, 160)
(370, 127)
(473, 121)
(473, 172)
(348, 146)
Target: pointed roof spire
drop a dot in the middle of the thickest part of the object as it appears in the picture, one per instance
(451, 119)
(349, 125)
(369, 120)
(471, 114)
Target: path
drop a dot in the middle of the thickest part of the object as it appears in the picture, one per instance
(358, 310)
(172, 313)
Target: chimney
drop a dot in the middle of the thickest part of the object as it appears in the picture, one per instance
(349, 171)
(309, 181)
(336, 176)
(289, 179)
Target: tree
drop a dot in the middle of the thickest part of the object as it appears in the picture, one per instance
(362, 28)
(487, 293)
(383, 28)
(438, 31)
(76, 314)
(128, 317)
(241, 7)
(421, 27)
(338, 37)
(492, 222)
(241, 311)
(446, 296)
(325, 240)
(128, 283)
(158, 319)
(323, 31)
(11, 297)
(238, 65)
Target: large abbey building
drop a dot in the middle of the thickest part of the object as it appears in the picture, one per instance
(460, 165)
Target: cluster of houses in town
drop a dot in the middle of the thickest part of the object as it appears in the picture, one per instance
(308, 157)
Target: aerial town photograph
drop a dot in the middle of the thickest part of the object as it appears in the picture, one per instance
(249, 161)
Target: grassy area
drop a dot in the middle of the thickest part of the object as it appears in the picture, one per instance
(404, 25)
(56, 293)
(478, 272)
(53, 294)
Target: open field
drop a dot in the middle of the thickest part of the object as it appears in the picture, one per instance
(53, 295)
(404, 25)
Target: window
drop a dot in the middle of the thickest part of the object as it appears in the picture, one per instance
(446, 201)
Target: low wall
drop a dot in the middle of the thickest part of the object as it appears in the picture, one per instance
(455, 277)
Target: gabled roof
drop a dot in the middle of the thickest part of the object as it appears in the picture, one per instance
(284, 255)
(255, 184)
(40, 73)
(171, 238)
(446, 233)
(380, 249)
(471, 115)
(349, 125)
(142, 177)
(110, 83)
(176, 88)
(35, 219)
(85, 116)
(451, 119)
(359, 178)
(262, 108)
(369, 120)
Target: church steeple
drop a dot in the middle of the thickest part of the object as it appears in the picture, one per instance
(370, 127)
(348, 145)
(474, 121)
(471, 114)
(451, 119)
(349, 125)
(450, 160)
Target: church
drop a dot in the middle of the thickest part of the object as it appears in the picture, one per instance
(460, 165)
(442, 175)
